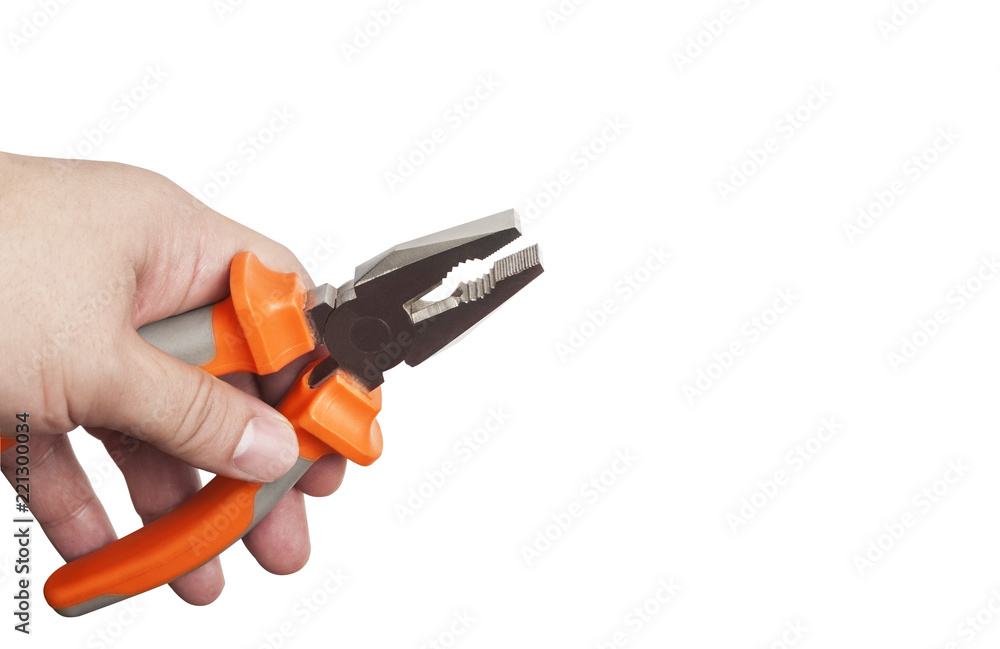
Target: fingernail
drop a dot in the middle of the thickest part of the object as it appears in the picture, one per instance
(267, 449)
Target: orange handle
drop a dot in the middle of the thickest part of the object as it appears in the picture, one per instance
(173, 545)
(336, 416)
(260, 327)
(5, 444)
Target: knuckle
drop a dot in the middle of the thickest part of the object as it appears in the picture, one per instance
(204, 419)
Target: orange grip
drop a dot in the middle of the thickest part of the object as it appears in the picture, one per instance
(337, 415)
(5, 444)
(173, 545)
(261, 326)
(232, 353)
(271, 309)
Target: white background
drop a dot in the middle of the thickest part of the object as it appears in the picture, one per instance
(320, 184)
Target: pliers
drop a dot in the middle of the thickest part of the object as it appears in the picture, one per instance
(368, 325)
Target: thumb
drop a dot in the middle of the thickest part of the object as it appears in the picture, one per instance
(190, 414)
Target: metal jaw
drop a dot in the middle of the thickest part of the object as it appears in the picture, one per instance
(380, 318)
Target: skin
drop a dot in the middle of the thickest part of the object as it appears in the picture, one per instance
(92, 251)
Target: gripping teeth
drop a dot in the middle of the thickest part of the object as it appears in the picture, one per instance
(452, 317)
(477, 289)
(509, 266)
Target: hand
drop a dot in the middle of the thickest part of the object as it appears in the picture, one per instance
(92, 251)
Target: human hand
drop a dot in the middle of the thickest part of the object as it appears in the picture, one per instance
(92, 251)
